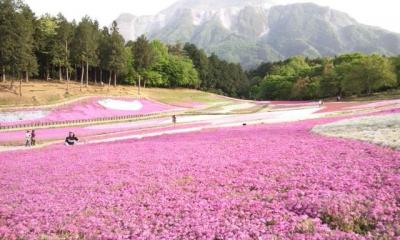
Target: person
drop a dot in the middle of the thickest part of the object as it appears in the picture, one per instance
(28, 139)
(71, 139)
(174, 119)
(33, 138)
(338, 98)
(320, 103)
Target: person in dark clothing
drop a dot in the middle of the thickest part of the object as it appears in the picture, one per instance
(174, 119)
(71, 139)
(33, 138)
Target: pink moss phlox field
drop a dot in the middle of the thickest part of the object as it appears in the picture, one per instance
(91, 109)
(256, 182)
(86, 133)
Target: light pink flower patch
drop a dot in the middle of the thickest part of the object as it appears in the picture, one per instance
(255, 182)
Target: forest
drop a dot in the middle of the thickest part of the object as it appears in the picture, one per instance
(53, 48)
(299, 78)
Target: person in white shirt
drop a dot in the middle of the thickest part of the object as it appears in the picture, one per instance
(28, 139)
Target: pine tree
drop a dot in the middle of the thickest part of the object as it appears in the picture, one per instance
(143, 55)
(104, 52)
(7, 40)
(45, 39)
(61, 47)
(26, 59)
(117, 52)
(85, 45)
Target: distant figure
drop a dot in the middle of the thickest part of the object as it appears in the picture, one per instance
(33, 138)
(28, 138)
(338, 98)
(174, 119)
(320, 103)
(71, 139)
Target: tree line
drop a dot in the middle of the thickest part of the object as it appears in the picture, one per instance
(300, 78)
(50, 47)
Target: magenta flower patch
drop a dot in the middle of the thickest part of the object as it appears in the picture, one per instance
(256, 182)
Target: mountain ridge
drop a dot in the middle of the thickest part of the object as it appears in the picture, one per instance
(255, 31)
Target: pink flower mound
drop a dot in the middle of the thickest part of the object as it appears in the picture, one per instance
(91, 109)
(261, 182)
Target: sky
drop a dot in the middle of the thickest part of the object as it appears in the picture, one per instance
(382, 13)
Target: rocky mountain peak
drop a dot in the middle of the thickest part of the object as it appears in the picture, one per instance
(254, 31)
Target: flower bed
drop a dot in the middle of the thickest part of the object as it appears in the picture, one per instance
(380, 128)
(50, 134)
(92, 109)
(261, 182)
(17, 138)
(377, 104)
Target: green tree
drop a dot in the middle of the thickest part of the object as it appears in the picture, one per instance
(45, 34)
(26, 59)
(368, 74)
(295, 66)
(180, 72)
(154, 74)
(330, 84)
(200, 62)
(143, 56)
(61, 47)
(86, 43)
(306, 88)
(129, 73)
(275, 87)
(16, 40)
(118, 56)
(396, 63)
(7, 35)
(104, 52)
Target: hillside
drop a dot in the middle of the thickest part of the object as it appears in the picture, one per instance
(254, 31)
(38, 93)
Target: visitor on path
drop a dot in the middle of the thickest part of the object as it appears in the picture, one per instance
(338, 98)
(320, 103)
(33, 138)
(71, 139)
(28, 138)
(174, 119)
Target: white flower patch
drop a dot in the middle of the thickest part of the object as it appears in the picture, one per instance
(383, 130)
(121, 105)
(17, 116)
